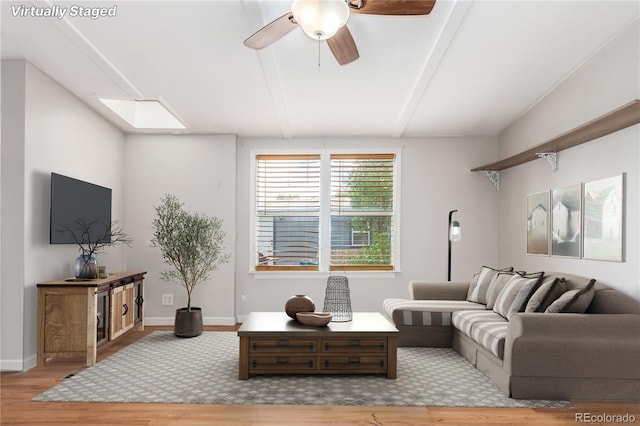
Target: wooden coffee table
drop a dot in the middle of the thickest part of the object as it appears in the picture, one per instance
(273, 343)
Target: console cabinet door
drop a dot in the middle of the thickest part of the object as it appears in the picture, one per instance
(122, 309)
(102, 317)
(138, 317)
(129, 307)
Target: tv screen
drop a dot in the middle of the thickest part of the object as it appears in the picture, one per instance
(74, 203)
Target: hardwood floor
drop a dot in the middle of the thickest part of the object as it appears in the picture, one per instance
(17, 390)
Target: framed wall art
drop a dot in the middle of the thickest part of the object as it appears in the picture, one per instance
(603, 219)
(538, 223)
(566, 221)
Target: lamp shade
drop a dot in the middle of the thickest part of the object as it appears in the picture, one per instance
(320, 19)
(455, 233)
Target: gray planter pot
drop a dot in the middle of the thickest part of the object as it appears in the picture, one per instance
(188, 323)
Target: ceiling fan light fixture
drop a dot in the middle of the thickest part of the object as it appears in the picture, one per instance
(320, 19)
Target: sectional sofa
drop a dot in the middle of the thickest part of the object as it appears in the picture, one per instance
(536, 336)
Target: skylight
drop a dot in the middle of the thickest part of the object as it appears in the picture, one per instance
(144, 114)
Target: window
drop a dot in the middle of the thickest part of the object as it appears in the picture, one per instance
(287, 211)
(362, 211)
(325, 212)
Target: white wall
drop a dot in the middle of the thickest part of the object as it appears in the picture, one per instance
(61, 135)
(435, 178)
(608, 80)
(200, 171)
(12, 216)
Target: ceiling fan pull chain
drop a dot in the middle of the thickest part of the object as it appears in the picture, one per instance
(318, 50)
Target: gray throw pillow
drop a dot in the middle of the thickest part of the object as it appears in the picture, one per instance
(546, 294)
(574, 301)
(480, 286)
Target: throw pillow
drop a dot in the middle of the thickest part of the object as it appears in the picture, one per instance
(574, 301)
(480, 286)
(546, 294)
(501, 280)
(515, 294)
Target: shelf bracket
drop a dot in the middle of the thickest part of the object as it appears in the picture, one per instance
(552, 159)
(493, 176)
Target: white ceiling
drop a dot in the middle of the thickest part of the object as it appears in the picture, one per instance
(468, 68)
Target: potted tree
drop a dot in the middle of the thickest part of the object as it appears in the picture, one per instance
(192, 245)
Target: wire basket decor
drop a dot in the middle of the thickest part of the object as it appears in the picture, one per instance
(337, 299)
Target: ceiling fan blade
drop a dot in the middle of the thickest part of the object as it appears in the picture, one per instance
(271, 32)
(392, 7)
(343, 47)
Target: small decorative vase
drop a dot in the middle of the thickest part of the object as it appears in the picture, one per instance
(299, 303)
(86, 267)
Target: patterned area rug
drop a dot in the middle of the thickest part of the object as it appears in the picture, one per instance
(204, 370)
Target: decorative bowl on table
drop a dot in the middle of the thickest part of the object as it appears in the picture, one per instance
(317, 319)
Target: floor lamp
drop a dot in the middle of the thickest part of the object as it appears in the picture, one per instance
(454, 235)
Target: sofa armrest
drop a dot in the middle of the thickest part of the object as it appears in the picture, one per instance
(438, 290)
(573, 345)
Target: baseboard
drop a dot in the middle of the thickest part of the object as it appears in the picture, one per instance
(205, 320)
(11, 364)
(30, 362)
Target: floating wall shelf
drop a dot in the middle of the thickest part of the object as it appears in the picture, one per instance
(618, 119)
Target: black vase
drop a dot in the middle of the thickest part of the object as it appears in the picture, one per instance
(188, 323)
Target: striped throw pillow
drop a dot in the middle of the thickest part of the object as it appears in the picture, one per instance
(481, 284)
(494, 290)
(516, 293)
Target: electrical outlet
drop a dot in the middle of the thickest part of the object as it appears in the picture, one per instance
(167, 300)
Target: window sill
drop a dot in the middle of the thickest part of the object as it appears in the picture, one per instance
(277, 275)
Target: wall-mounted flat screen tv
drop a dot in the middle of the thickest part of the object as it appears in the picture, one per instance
(74, 203)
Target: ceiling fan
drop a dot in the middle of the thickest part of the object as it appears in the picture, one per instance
(326, 20)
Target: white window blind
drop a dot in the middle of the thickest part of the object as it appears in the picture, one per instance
(287, 212)
(362, 211)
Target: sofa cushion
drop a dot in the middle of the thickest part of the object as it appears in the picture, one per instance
(550, 289)
(425, 312)
(487, 328)
(516, 293)
(574, 301)
(466, 320)
(491, 336)
(481, 283)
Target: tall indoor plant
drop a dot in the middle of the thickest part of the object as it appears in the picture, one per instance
(192, 245)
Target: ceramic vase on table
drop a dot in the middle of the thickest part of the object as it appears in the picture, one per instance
(299, 303)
